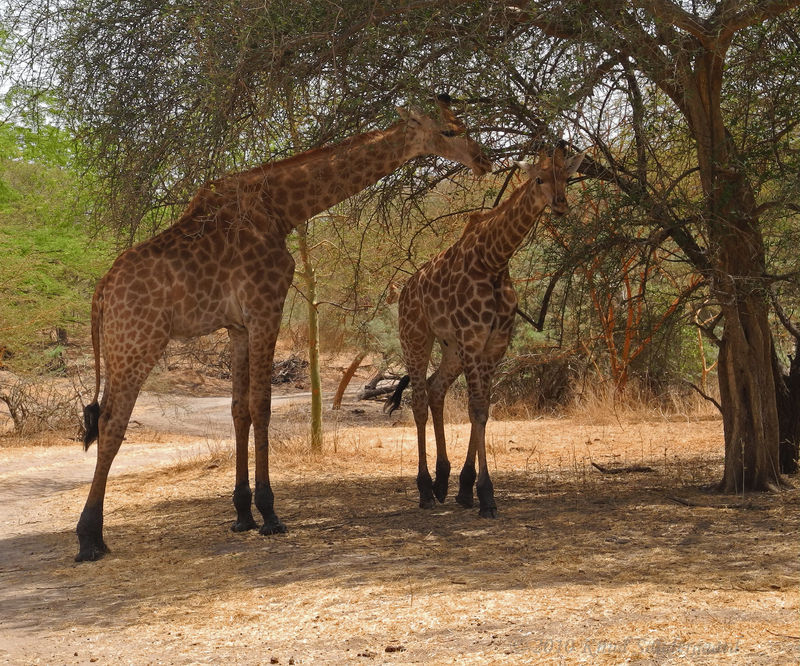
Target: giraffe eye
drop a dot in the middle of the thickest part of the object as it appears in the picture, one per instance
(539, 181)
(450, 133)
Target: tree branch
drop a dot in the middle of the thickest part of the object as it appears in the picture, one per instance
(679, 17)
(787, 323)
(704, 395)
(752, 15)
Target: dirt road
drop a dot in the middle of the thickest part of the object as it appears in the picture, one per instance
(29, 476)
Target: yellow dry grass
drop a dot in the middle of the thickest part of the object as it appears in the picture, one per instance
(579, 567)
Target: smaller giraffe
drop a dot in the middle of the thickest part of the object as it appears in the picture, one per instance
(464, 298)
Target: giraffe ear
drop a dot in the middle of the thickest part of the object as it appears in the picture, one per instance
(571, 167)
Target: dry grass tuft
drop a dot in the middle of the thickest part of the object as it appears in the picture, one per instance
(603, 402)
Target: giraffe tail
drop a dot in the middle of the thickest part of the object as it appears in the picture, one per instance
(91, 421)
(91, 412)
(393, 402)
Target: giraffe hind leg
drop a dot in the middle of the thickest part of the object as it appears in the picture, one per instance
(419, 405)
(112, 423)
(466, 481)
(91, 546)
(127, 370)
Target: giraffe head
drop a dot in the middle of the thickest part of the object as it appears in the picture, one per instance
(549, 175)
(445, 137)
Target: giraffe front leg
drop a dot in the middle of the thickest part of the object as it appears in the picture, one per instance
(261, 349)
(484, 487)
(240, 411)
(265, 501)
(438, 384)
(496, 349)
(479, 415)
(466, 479)
(242, 501)
(487, 508)
(478, 382)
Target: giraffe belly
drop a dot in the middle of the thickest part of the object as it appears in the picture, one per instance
(196, 316)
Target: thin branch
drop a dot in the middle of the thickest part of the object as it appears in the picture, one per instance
(787, 323)
(623, 470)
(529, 319)
(704, 395)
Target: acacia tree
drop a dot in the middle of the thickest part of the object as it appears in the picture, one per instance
(166, 95)
(684, 54)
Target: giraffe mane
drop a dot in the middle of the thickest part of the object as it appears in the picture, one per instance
(477, 217)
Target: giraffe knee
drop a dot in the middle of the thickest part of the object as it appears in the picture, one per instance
(478, 413)
(240, 409)
(419, 406)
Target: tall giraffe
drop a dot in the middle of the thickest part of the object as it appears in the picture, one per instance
(224, 264)
(464, 298)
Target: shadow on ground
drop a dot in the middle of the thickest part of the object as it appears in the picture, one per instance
(171, 543)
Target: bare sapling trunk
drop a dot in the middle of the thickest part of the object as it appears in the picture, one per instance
(346, 377)
(310, 280)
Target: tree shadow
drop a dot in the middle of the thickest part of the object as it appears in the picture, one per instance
(366, 532)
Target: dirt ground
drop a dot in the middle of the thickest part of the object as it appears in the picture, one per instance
(579, 567)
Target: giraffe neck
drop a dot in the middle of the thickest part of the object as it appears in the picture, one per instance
(507, 226)
(300, 187)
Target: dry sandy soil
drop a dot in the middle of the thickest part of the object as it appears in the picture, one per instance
(579, 567)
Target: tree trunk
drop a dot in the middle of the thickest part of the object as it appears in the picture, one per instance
(310, 278)
(737, 262)
(747, 397)
(348, 375)
(746, 378)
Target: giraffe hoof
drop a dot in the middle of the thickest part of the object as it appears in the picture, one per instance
(442, 478)
(465, 500)
(244, 525)
(92, 553)
(274, 526)
(426, 503)
(488, 512)
(440, 489)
